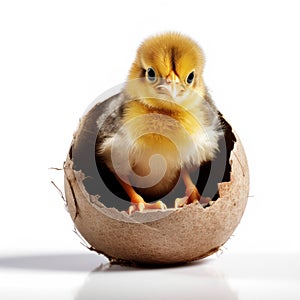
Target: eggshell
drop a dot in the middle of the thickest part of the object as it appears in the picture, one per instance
(155, 237)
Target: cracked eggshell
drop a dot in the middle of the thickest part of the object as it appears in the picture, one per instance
(158, 237)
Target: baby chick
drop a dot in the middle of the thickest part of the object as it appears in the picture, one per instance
(166, 125)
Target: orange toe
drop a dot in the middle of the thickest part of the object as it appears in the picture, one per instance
(156, 205)
(142, 205)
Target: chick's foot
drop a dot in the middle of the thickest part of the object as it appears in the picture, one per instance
(142, 205)
(192, 196)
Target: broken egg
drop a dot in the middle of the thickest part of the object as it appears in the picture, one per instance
(156, 236)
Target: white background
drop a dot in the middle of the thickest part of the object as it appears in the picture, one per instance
(56, 57)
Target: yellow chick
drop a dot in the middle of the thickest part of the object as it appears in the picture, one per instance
(166, 124)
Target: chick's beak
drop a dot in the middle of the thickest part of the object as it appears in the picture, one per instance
(171, 85)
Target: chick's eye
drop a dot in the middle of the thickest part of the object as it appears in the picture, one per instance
(190, 77)
(151, 76)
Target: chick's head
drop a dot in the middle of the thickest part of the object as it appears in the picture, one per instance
(168, 67)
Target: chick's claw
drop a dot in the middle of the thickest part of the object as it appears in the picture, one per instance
(192, 196)
(156, 205)
(180, 202)
(136, 207)
(141, 206)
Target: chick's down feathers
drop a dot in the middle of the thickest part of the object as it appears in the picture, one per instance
(163, 124)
